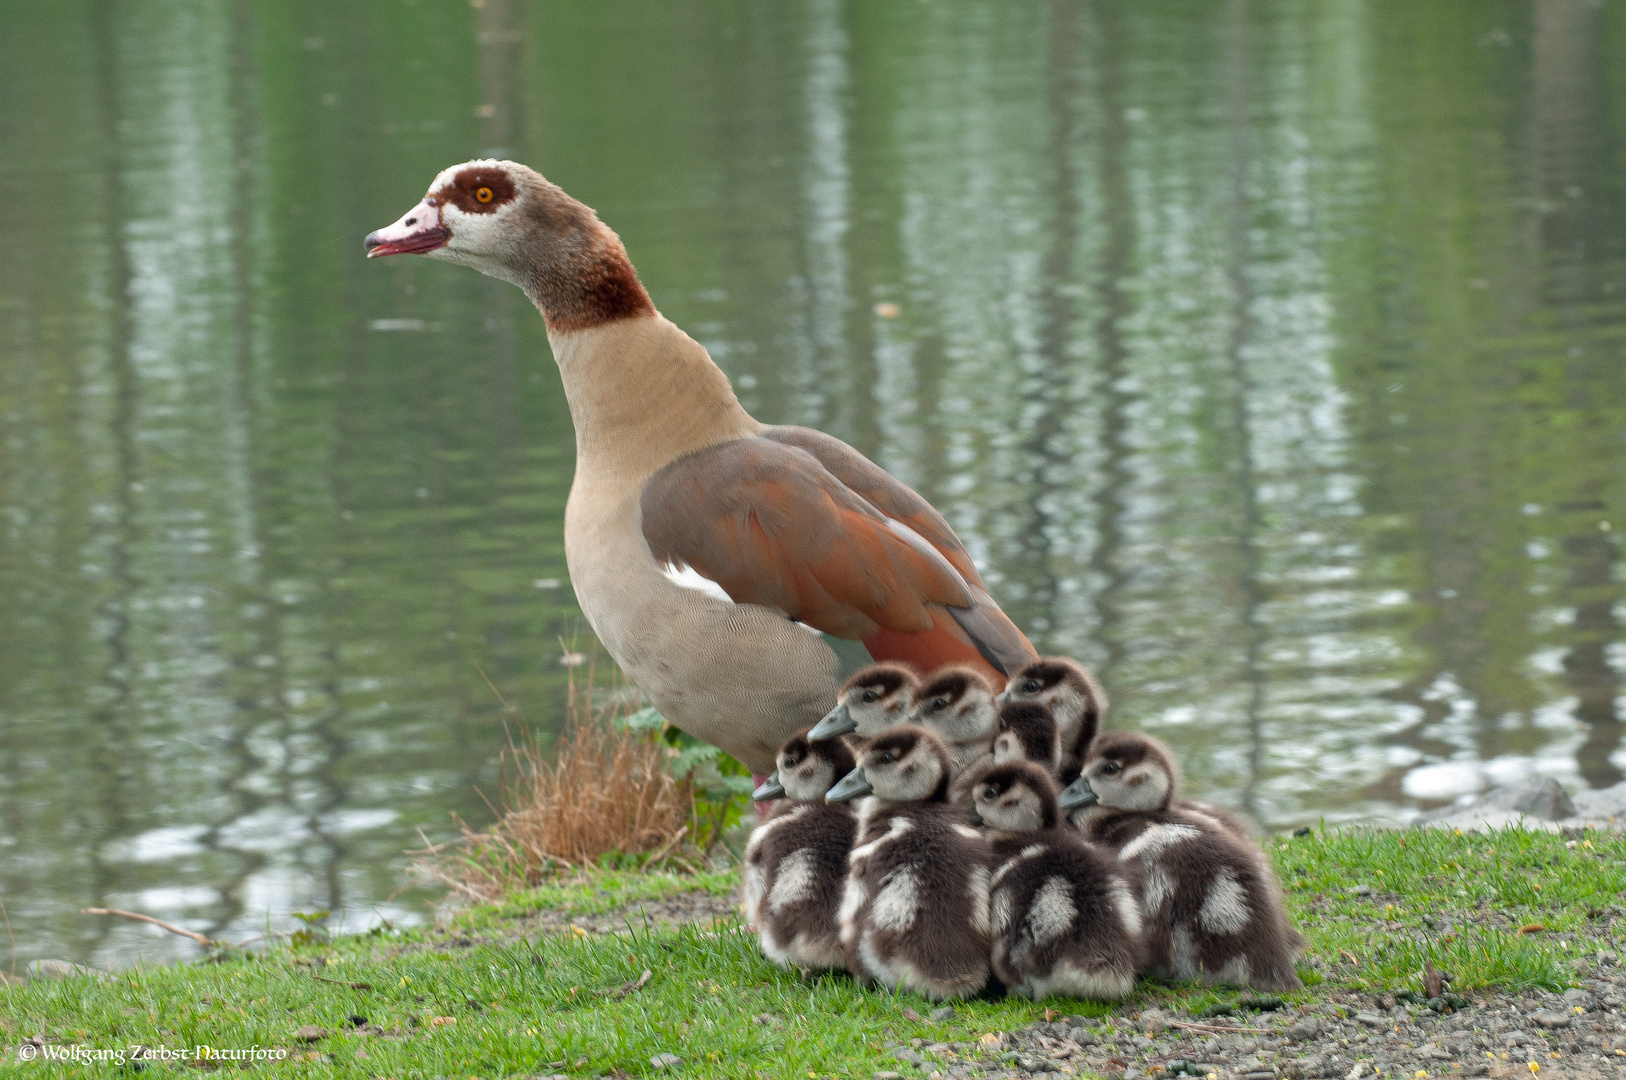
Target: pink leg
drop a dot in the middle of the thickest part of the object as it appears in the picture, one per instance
(764, 808)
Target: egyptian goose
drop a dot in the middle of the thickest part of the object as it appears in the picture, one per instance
(1027, 732)
(1074, 697)
(703, 545)
(914, 914)
(957, 705)
(796, 860)
(872, 699)
(1064, 919)
(1210, 902)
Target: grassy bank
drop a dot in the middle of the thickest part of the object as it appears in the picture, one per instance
(495, 996)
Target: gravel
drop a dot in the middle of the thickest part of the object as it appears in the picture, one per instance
(1343, 1034)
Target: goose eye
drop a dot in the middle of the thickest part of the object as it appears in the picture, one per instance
(1110, 768)
(870, 695)
(887, 759)
(1030, 687)
(483, 195)
(939, 703)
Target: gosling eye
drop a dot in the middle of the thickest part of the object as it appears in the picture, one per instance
(870, 695)
(939, 704)
(1110, 768)
(888, 758)
(1031, 686)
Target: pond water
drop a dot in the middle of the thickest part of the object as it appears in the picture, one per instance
(1266, 355)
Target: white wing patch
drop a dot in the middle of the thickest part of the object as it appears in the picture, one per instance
(894, 829)
(1000, 915)
(1225, 910)
(1052, 912)
(1152, 842)
(1119, 893)
(794, 881)
(685, 576)
(1157, 889)
(978, 888)
(898, 901)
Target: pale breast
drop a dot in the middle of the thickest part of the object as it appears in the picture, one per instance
(739, 676)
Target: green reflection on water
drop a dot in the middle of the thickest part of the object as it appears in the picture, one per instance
(1266, 355)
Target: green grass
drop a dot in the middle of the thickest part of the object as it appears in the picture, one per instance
(510, 1006)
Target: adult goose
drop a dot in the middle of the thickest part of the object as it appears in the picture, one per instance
(710, 552)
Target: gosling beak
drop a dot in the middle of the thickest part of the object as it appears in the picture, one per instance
(838, 721)
(1002, 697)
(972, 816)
(1077, 794)
(771, 788)
(419, 230)
(849, 787)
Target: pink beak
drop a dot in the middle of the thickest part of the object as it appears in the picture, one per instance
(419, 230)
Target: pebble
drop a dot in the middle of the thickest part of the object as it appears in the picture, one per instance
(311, 1033)
(666, 1061)
(1340, 1034)
(944, 1014)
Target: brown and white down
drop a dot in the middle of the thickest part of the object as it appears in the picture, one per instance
(914, 913)
(1211, 905)
(957, 705)
(872, 699)
(711, 553)
(796, 860)
(1073, 696)
(1079, 704)
(1027, 732)
(1065, 921)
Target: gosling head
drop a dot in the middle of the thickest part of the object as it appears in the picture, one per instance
(1125, 771)
(806, 770)
(1017, 797)
(508, 222)
(1071, 693)
(1027, 732)
(902, 764)
(872, 700)
(958, 704)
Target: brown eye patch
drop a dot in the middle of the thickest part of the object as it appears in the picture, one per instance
(478, 191)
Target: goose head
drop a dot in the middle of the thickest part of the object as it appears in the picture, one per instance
(873, 699)
(902, 764)
(508, 222)
(1125, 771)
(958, 704)
(1016, 797)
(806, 770)
(1071, 693)
(1027, 732)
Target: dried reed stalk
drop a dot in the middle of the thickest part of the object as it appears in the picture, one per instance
(604, 789)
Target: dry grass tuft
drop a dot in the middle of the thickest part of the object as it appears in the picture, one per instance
(606, 790)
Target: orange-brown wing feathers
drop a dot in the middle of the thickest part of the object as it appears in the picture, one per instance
(881, 490)
(772, 526)
(980, 632)
(798, 521)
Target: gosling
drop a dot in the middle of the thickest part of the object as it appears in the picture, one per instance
(1211, 905)
(1027, 732)
(1074, 698)
(1065, 921)
(870, 701)
(914, 913)
(957, 704)
(796, 860)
